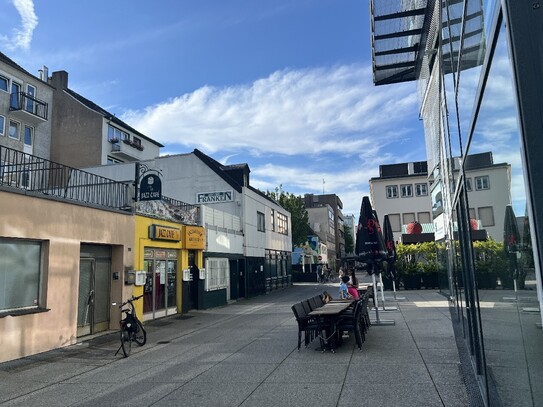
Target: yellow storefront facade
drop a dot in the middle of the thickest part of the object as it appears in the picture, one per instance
(163, 250)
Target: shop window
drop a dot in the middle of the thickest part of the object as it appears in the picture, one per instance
(408, 218)
(217, 274)
(395, 222)
(486, 216)
(20, 273)
(424, 217)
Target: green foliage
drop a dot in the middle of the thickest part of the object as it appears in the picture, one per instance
(349, 242)
(490, 257)
(418, 258)
(298, 214)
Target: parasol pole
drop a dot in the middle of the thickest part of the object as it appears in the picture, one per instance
(378, 321)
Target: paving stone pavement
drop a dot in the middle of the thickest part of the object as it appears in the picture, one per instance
(245, 354)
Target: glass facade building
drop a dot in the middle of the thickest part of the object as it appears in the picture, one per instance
(478, 66)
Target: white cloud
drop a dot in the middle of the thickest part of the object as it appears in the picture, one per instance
(310, 111)
(22, 36)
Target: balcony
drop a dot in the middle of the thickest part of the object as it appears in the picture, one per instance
(28, 108)
(40, 177)
(126, 150)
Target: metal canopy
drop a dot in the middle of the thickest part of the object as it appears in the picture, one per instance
(396, 28)
(399, 36)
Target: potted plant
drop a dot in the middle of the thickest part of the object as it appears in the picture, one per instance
(408, 267)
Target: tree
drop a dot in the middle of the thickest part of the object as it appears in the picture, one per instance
(349, 241)
(298, 214)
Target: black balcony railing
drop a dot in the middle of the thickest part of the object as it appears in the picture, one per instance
(43, 177)
(28, 103)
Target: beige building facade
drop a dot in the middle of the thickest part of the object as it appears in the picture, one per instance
(63, 265)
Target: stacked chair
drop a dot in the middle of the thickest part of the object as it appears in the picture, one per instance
(356, 319)
(310, 326)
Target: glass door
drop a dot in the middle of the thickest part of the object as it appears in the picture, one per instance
(160, 297)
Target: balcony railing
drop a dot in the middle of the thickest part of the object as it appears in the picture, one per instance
(43, 177)
(28, 103)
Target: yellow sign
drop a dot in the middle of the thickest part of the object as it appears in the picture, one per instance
(157, 232)
(195, 237)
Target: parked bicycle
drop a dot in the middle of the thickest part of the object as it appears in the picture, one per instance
(131, 327)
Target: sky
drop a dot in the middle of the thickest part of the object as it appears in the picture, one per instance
(285, 86)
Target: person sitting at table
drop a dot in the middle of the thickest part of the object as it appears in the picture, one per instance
(352, 285)
(343, 291)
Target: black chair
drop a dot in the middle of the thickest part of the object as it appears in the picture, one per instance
(350, 321)
(313, 303)
(306, 324)
(306, 306)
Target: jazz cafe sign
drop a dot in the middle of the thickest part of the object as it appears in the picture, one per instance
(149, 184)
(157, 232)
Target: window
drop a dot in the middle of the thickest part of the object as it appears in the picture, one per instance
(114, 135)
(421, 189)
(272, 220)
(20, 273)
(260, 222)
(468, 184)
(408, 218)
(14, 129)
(407, 190)
(136, 142)
(424, 217)
(482, 183)
(217, 274)
(486, 216)
(2, 126)
(4, 83)
(392, 191)
(15, 95)
(282, 224)
(29, 132)
(30, 104)
(395, 222)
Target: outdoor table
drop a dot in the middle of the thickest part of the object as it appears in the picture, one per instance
(329, 313)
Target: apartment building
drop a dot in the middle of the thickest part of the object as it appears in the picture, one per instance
(407, 193)
(25, 110)
(84, 134)
(334, 233)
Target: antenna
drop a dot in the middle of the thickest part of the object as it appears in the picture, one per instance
(323, 186)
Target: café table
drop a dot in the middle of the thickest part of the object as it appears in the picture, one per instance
(327, 316)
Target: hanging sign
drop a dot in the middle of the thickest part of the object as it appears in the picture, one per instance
(150, 188)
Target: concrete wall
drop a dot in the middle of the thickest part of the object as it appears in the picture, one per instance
(61, 228)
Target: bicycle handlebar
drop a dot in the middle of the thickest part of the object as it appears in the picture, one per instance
(129, 301)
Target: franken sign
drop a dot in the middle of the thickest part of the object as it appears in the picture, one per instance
(150, 188)
(215, 197)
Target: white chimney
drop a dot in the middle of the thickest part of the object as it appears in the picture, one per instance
(44, 73)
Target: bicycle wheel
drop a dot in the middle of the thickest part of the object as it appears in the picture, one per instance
(140, 337)
(126, 342)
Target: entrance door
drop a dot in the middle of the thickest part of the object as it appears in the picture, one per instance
(160, 297)
(93, 298)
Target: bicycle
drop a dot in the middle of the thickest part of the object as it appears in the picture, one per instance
(131, 328)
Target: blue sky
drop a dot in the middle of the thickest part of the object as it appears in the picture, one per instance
(283, 85)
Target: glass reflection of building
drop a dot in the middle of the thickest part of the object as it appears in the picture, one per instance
(478, 69)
